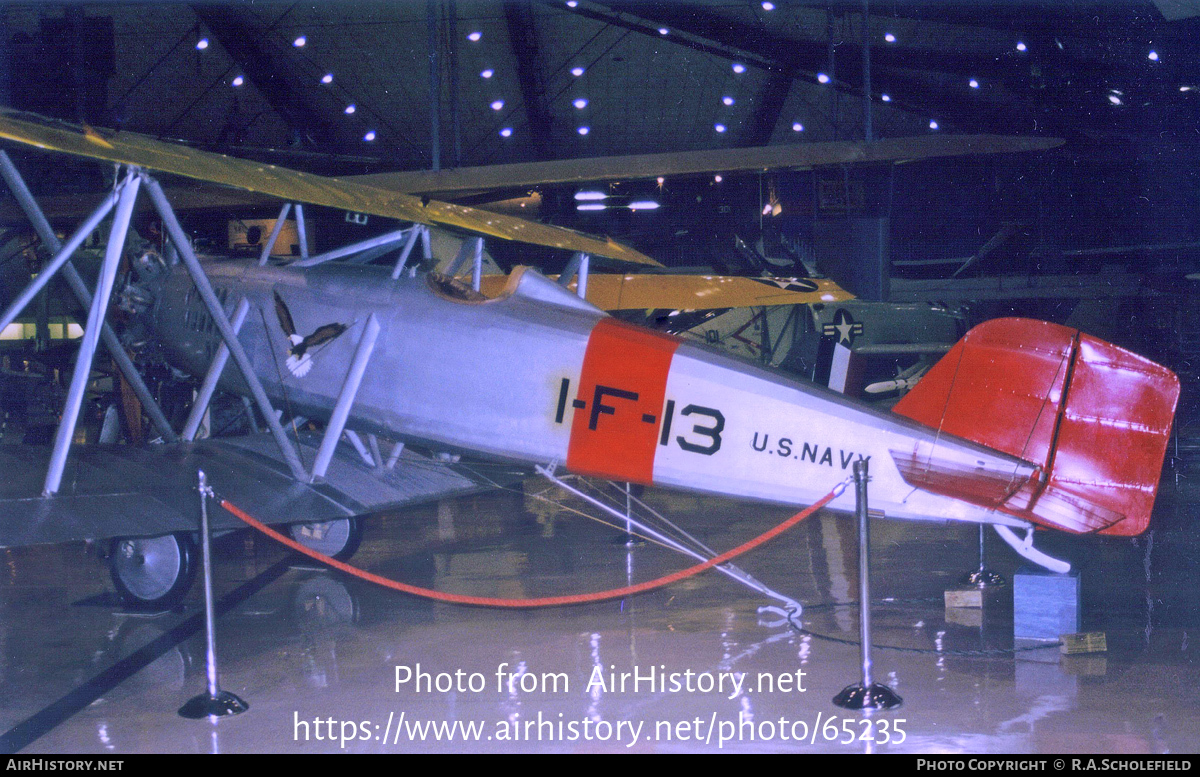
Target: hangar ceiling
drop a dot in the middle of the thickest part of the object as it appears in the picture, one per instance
(364, 87)
(655, 76)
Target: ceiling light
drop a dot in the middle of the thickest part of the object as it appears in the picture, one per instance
(572, 3)
(351, 108)
(577, 71)
(643, 205)
(1152, 56)
(474, 36)
(202, 44)
(890, 38)
(300, 41)
(580, 103)
(663, 31)
(590, 196)
(591, 206)
(822, 78)
(719, 127)
(660, 180)
(718, 178)
(583, 130)
(887, 98)
(497, 105)
(727, 100)
(739, 68)
(768, 6)
(933, 124)
(1186, 88)
(369, 136)
(238, 80)
(327, 78)
(1115, 99)
(506, 132)
(487, 73)
(797, 127)
(973, 84)
(1021, 46)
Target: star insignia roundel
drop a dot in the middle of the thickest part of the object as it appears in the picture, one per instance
(844, 328)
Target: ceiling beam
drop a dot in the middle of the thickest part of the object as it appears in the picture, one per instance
(276, 79)
(523, 37)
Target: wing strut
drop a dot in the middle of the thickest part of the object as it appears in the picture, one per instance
(301, 231)
(180, 239)
(341, 410)
(209, 386)
(471, 249)
(394, 456)
(82, 372)
(361, 447)
(354, 248)
(38, 219)
(578, 265)
(61, 258)
(418, 230)
(270, 246)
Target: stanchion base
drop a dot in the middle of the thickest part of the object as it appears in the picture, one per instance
(219, 706)
(984, 578)
(873, 697)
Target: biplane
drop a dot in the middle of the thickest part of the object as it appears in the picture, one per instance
(1022, 425)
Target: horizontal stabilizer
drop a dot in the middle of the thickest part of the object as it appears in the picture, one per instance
(1093, 418)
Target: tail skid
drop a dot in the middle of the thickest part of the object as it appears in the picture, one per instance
(1024, 548)
(1094, 420)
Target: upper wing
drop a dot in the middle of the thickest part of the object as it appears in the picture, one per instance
(471, 180)
(133, 149)
(694, 292)
(131, 491)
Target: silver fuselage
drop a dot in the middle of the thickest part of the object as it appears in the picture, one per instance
(533, 376)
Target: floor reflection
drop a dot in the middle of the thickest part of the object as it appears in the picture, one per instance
(316, 646)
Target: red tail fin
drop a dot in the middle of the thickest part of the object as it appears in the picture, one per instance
(1093, 417)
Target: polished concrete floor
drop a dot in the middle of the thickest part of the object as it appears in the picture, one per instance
(318, 656)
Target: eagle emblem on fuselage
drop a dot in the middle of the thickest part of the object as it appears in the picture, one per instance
(301, 350)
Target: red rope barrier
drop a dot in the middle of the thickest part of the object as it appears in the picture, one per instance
(546, 601)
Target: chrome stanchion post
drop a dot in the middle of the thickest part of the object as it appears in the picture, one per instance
(628, 539)
(214, 703)
(983, 577)
(867, 695)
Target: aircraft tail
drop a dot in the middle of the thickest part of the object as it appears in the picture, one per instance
(1094, 418)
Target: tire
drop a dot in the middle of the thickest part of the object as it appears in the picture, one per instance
(155, 571)
(337, 539)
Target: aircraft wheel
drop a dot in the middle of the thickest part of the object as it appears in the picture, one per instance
(337, 539)
(154, 570)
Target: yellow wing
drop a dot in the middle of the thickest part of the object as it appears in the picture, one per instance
(133, 149)
(694, 292)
